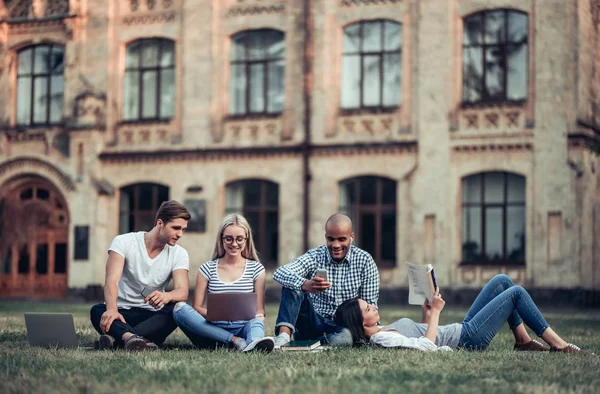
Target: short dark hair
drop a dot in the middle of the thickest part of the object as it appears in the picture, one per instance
(171, 210)
(348, 315)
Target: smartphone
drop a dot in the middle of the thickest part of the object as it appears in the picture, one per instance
(321, 273)
(146, 292)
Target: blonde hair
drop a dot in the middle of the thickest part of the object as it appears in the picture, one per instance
(235, 219)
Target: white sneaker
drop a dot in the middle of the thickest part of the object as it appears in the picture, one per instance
(265, 344)
(282, 339)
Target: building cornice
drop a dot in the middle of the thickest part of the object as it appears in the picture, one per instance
(255, 152)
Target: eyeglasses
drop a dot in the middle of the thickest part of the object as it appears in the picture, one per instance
(228, 239)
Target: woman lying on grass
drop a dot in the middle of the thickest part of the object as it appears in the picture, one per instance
(498, 302)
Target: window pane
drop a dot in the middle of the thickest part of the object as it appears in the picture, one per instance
(472, 74)
(277, 46)
(257, 50)
(252, 191)
(41, 59)
(493, 187)
(149, 81)
(495, 31)
(56, 98)
(371, 80)
(272, 194)
(493, 234)
(257, 92)
(132, 95)
(25, 63)
(167, 57)
(60, 258)
(237, 89)
(57, 60)
(517, 27)
(392, 36)
(392, 67)
(146, 196)
(253, 219)
(7, 262)
(271, 234)
(515, 233)
(24, 260)
(40, 100)
(471, 233)
(388, 236)
(23, 100)
(368, 190)
(347, 197)
(516, 85)
(150, 54)
(276, 86)
(167, 93)
(388, 192)
(238, 48)
(471, 189)
(350, 81)
(163, 195)
(132, 58)
(472, 30)
(367, 233)
(41, 259)
(372, 37)
(516, 188)
(352, 38)
(494, 73)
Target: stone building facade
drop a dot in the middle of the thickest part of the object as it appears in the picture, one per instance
(453, 132)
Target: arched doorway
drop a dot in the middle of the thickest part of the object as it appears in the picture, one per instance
(35, 265)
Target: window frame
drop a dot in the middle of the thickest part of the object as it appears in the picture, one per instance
(32, 76)
(381, 108)
(247, 62)
(483, 260)
(503, 45)
(259, 229)
(378, 209)
(136, 213)
(159, 69)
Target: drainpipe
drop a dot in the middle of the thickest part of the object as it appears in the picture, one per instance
(306, 145)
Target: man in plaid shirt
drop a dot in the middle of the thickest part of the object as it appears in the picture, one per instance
(308, 302)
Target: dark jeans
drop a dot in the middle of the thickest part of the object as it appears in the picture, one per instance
(298, 314)
(155, 326)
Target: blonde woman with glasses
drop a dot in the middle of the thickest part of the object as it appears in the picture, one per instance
(234, 268)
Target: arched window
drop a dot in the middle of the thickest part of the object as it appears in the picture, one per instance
(149, 80)
(495, 57)
(493, 224)
(258, 201)
(371, 65)
(256, 83)
(370, 202)
(40, 85)
(138, 206)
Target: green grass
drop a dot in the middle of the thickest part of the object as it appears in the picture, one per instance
(181, 369)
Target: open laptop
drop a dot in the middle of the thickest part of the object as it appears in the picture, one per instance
(230, 306)
(53, 330)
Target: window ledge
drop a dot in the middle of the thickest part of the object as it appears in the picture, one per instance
(493, 104)
(144, 122)
(498, 263)
(368, 110)
(252, 116)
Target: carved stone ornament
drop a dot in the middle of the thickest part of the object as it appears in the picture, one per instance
(90, 109)
(349, 3)
(38, 9)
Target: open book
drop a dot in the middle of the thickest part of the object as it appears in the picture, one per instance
(302, 346)
(421, 283)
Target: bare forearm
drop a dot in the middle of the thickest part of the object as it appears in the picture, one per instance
(180, 294)
(111, 292)
(432, 328)
(200, 310)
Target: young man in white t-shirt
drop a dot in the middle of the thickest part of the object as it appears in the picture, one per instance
(144, 262)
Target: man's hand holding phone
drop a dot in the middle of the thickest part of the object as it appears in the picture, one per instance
(318, 283)
(155, 298)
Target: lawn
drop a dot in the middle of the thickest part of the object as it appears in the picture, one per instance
(181, 369)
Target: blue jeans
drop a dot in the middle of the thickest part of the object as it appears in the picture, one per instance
(498, 302)
(207, 334)
(298, 314)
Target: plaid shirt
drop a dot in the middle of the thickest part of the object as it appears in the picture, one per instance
(355, 276)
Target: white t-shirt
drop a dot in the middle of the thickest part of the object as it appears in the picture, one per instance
(141, 271)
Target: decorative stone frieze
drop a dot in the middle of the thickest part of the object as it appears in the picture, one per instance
(492, 118)
(21, 165)
(370, 124)
(136, 135)
(255, 9)
(90, 110)
(350, 3)
(478, 275)
(252, 132)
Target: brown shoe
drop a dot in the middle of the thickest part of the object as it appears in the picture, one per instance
(138, 344)
(570, 348)
(531, 346)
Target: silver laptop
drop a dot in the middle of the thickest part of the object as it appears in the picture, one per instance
(53, 330)
(230, 306)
